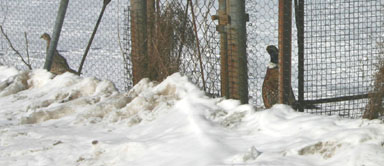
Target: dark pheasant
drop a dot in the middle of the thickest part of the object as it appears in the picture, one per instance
(270, 90)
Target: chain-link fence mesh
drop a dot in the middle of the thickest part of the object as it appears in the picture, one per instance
(262, 30)
(340, 44)
(208, 41)
(193, 39)
(109, 57)
(105, 59)
(341, 52)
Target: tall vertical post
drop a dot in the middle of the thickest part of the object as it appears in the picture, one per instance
(223, 19)
(56, 34)
(299, 14)
(151, 40)
(139, 39)
(237, 54)
(285, 33)
(106, 2)
(224, 48)
(233, 37)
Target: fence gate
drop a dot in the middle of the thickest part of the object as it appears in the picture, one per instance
(341, 50)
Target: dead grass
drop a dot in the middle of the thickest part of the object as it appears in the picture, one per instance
(171, 32)
(374, 108)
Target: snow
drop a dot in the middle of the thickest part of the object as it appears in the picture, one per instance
(70, 120)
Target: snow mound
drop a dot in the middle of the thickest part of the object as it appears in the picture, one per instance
(42, 96)
(70, 120)
(143, 102)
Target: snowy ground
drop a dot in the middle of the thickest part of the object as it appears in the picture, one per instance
(69, 120)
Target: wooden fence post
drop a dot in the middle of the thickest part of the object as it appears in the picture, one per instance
(285, 33)
(139, 40)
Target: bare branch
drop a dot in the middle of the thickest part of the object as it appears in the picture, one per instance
(27, 47)
(197, 44)
(13, 48)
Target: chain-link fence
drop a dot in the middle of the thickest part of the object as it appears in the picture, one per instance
(339, 56)
(262, 30)
(191, 44)
(109, 57)
(105, 59)
(209, 48)
(341, 53)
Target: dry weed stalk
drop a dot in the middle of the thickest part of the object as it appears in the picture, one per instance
(170, 32)
(197, 44)
(27, 63)
(374, 108)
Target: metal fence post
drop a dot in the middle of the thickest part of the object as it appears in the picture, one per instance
(223, 19)
(237, 54)
(285, 33)
(139, 39)
(299, 15)
(56, 34)
(106, 2)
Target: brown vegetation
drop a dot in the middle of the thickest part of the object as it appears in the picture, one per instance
(169, 32)
(374, 108)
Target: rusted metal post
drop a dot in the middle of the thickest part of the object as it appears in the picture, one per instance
(106, 2)
(299, 14)
(223, 19)
(56, 34)
(197, 44)
(285, 33)
(139, 39)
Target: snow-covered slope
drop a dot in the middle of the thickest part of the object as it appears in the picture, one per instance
(70, 120)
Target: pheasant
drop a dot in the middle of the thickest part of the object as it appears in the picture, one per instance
(270, 89)
(59, 63)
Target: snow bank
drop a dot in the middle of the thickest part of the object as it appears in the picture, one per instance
(69, 120)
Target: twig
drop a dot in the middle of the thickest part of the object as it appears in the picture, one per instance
(13, 48)
(27, 47)
(197, 44)
(158, 35)
(160, 60)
